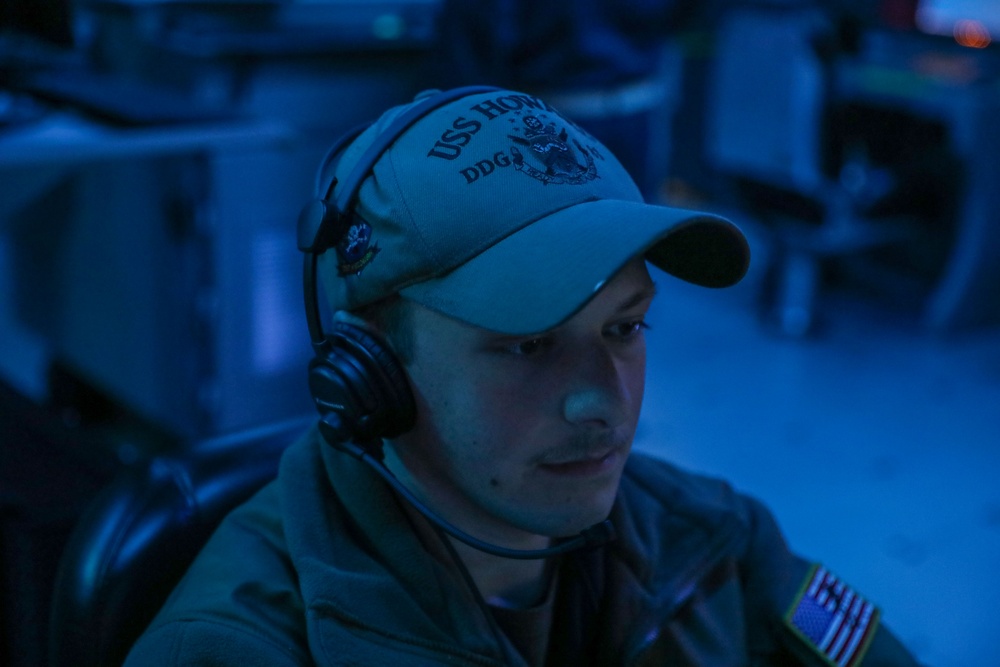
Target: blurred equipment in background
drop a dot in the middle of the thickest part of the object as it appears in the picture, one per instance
(612, 66)
(150, 211)
(972, 23)
(43, 27)
(867, 154)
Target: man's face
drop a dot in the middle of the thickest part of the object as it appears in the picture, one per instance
(521, 436)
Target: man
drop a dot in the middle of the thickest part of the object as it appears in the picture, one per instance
(501, 254)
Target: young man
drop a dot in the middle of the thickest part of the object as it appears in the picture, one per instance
(502, 255)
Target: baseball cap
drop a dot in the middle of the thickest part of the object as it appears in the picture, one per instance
(496, 210)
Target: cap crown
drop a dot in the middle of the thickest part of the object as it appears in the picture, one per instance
(458, 181)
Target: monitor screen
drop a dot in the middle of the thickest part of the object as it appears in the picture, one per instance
(973, 23)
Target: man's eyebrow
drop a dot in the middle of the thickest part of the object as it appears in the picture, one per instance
(637, 298)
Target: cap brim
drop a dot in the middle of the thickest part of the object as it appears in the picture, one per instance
(538, 277)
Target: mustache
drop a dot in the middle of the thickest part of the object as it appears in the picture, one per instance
(584, 447)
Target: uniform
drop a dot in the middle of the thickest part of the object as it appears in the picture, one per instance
(324, 567)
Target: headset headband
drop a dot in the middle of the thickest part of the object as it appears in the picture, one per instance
(322, 223)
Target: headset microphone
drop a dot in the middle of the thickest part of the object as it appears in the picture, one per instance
(358, 386)
(591, 538)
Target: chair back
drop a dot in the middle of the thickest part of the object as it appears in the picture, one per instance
(135, 541)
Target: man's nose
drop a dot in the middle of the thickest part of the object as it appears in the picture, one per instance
(598, 394)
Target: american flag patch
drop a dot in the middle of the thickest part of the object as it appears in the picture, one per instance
(835, 621)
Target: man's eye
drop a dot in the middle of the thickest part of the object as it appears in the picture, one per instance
(627, 330)
(529, 347)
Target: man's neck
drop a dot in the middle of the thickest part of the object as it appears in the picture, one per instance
(508, 582)
(519, 583)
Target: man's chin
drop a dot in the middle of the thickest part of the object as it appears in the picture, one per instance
(581, 521)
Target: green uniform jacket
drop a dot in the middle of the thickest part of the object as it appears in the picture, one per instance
(322, 567)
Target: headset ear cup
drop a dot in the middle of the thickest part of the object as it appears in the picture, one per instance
(395, 412)
(392, 378)
(339, 388)
(362, 381)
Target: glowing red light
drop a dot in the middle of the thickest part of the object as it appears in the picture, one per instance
(972, 34)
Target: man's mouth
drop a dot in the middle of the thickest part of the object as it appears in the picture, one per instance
(586, 464)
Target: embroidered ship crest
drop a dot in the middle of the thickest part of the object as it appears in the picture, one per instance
(549, 146)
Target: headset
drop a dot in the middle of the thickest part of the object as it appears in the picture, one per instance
(357, 384)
